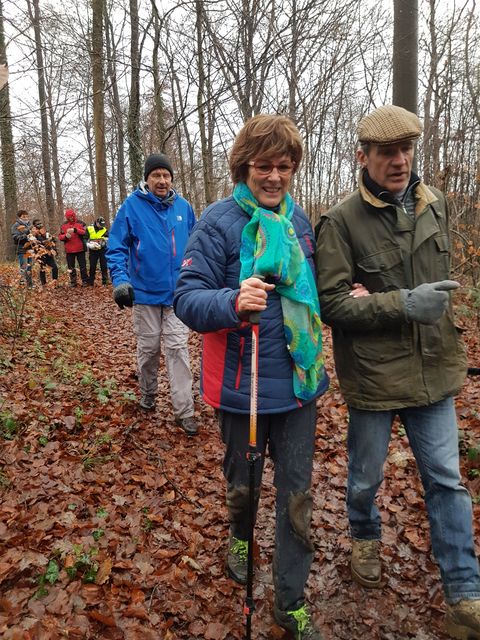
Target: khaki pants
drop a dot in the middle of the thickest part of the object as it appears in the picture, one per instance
(150, 324)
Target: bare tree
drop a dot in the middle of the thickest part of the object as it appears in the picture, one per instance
(158, 24)
(34, 13)
(7, 249)
(116, 108)
(405, 54)
(133, 127)
(243, 59)
(101, 195)
(201, 104)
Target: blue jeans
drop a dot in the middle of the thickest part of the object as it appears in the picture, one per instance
(25, 265)
(433, 437)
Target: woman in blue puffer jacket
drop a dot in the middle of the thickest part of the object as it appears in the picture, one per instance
(260, 231)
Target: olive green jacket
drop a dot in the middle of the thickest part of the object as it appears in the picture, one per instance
(382, 360)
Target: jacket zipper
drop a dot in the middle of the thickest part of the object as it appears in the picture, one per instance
(239, 366)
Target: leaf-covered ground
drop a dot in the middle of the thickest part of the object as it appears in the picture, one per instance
(112, 521)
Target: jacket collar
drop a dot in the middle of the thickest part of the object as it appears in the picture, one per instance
(161, 203)
(379, 197)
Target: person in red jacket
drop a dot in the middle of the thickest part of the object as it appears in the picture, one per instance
(72, 233)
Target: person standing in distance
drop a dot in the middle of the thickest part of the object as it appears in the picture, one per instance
(72, 234)
(398, 353)
(20, 231)
(144, 254)
(97, 235)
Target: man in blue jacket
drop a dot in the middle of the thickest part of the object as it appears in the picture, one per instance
(145, 251)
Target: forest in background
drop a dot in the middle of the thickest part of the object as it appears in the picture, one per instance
(95, 86)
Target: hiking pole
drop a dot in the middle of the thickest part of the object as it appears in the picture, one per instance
(252, 457)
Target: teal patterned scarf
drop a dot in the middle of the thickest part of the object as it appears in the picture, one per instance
(270, 247)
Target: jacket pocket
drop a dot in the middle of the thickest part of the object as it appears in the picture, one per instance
(384, 363)
(443, 255)
(382, 271)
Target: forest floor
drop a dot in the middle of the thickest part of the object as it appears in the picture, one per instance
(113, 523)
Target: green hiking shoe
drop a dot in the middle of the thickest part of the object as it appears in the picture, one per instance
(299, 622)
(237, 558)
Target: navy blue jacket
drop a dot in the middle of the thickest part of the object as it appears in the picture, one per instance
(205, 298)
(146, 245)
(20, 230)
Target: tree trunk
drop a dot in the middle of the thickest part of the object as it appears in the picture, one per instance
(55, 162)
(116, 109)
(206, 155)
(178, 134)
(101, 195)
(34, 13)
(134, 149)
(157, 85)
(7, 249)
(405, 54)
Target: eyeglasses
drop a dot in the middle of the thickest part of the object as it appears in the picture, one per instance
(264, 168)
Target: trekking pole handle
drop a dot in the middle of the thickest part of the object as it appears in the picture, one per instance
(254, 316)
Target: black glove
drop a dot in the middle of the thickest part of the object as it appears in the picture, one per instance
(123, 295)
(427, 302)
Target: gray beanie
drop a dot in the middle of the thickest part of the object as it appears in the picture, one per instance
(389, 124)
(157, 161)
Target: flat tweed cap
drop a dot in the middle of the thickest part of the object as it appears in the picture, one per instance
(389, 124)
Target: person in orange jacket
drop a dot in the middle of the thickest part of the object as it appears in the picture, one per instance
(72, 234)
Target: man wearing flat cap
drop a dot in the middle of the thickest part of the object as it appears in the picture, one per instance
(144, 254)
(383, 259)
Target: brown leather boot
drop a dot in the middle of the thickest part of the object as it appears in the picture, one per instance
(365, 563)
(463, 620)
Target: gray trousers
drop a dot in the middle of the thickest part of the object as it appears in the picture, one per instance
(151, 323)
(290, 438)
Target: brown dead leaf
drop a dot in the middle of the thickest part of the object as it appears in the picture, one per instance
(137, 596)
(192, 563)
(104, 571)
(70, 422)
(5, 569)
(145, 568)
(91, 593)
(61, 603)
(136, 611)
(216, 631)
(107, 620)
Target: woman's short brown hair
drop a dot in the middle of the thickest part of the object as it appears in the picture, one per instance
(267, 136)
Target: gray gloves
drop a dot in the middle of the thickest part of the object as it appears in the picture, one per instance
(123, 295)
(427, 302)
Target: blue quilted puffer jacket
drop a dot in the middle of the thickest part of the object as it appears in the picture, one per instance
(205, 298)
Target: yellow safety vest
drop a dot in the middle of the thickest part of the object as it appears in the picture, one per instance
(96, 235)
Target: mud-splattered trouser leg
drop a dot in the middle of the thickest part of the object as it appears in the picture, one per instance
(291, 444)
